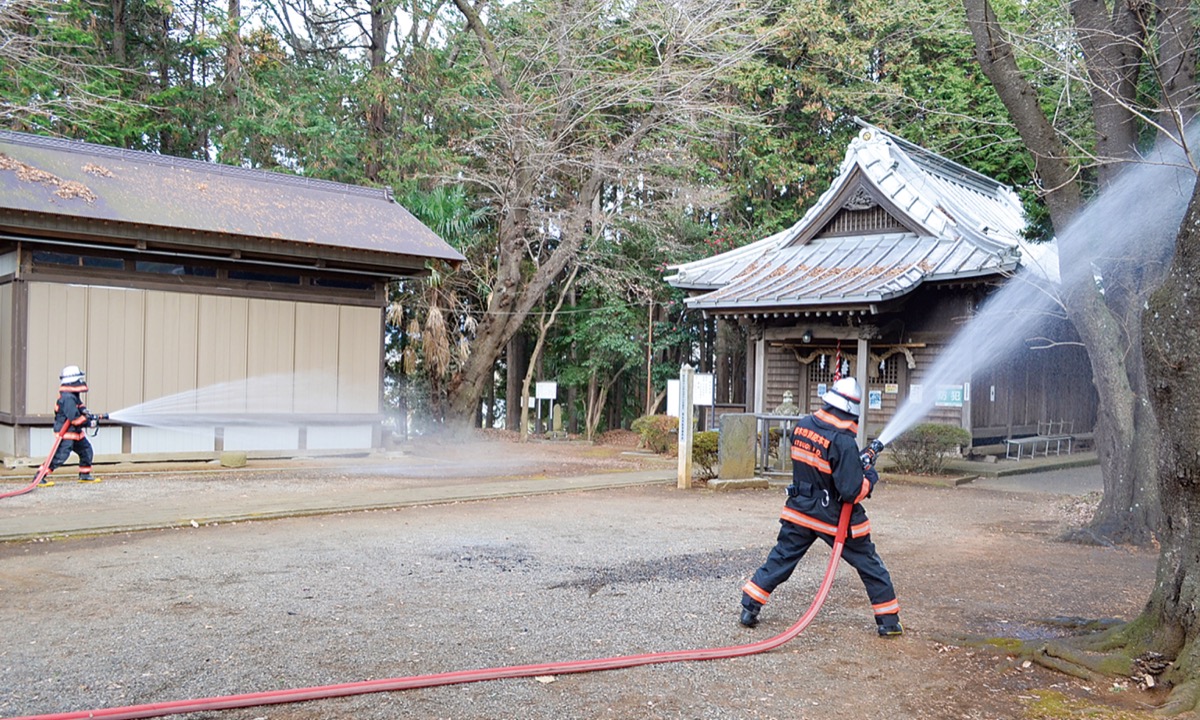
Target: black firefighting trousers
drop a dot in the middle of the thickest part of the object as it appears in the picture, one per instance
(81, 447)
(794, 541)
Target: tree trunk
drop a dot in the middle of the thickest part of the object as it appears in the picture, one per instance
(536, 357)
(1112, 44)
(120, 31)
(231, 153)
(489, 411)
(518, 362)
(1130, 507)
(1172, 358)
(378, 107)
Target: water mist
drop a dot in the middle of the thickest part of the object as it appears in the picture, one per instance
(1135, 220)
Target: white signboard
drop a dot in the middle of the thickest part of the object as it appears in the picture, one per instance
(702, 393)
(702, 389)
(546, 390)
(673, 398)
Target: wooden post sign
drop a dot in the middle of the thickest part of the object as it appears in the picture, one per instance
(686, 393)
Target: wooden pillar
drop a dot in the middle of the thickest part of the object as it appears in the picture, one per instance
(860, 372)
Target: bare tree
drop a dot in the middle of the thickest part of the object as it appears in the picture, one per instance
(597, 94)
(1111, 51)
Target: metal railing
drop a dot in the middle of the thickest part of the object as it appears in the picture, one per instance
(774, 456)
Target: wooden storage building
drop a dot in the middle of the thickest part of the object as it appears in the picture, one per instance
(228, 308)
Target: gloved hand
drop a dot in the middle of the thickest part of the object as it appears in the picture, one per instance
(872, 477)
(93, 421)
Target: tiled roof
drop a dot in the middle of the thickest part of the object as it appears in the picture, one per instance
(97, 183)
(845, 271)
(951, 223)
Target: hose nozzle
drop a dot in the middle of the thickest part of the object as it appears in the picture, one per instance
(870, 453)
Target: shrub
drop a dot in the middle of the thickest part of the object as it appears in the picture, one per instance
(659, 433)
(704, 454)
(923, 449)
(774, 435)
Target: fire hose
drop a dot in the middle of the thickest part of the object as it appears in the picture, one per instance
(460, 677)
(274, 697)
(44, 468)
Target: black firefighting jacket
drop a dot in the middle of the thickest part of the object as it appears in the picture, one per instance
(70, 411)
(827, 472)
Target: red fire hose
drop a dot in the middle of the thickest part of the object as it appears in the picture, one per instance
(43, 469)
(275, 697)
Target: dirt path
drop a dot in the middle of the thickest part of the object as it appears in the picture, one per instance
(216, 610)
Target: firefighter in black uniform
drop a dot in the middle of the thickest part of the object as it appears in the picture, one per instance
(827, 471)
(71, 418)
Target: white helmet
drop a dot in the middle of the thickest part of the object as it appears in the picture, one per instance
(845, 395)
(71, 374)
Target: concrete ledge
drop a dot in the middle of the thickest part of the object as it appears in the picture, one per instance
(743, 484)
(935, 480)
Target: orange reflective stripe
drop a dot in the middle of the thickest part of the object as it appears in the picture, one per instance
(812, 460)
(861, 529)
(862, 494)
(82, 419)
(887, 608)
(72, 436)
(756, 592)
(798, 518)
(837, 422)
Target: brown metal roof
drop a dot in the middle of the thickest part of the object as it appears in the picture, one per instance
(96, 183)
(960, 226)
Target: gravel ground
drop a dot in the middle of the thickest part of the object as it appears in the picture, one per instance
(245, 607)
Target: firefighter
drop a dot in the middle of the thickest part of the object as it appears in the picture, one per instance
(827, 471)
(71, 418)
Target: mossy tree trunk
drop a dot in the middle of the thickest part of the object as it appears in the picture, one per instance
(1171, 349)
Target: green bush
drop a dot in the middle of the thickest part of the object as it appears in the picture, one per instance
(704, 454)
(659, 433)
(923, 449)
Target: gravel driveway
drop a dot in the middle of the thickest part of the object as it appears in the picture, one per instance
(224, 609)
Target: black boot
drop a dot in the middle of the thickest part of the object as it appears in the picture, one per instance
(889, 626)
(749, 617)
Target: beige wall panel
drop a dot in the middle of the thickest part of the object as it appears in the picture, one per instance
(105, 442)
(6, 348)
(172, 329)
(241, 437)
(339, 437)
(56, 320)
(8, 440)
(316, 358)
(360, 352)
(270, 355)
(221, 353)
(170, 440)
(115, 340)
